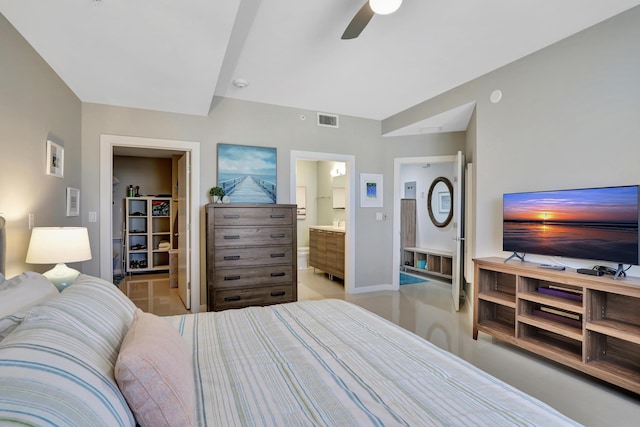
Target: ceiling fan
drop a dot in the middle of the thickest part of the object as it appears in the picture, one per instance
(366, 12)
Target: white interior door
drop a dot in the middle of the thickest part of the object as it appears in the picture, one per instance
(184, 244)
(458, 226)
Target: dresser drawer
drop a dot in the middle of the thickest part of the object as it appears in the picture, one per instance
(247, 236)
(244, 277)
(253, 257)
(252, 216)
(239, 298)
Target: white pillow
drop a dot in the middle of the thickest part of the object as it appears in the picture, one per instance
(155, 373)
(20, 293)
(23, 291)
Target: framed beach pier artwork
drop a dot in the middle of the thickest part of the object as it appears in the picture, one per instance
(247, 174)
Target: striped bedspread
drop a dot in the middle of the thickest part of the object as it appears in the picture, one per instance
(332, 363)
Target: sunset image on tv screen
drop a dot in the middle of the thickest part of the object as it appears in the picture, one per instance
(595, 223)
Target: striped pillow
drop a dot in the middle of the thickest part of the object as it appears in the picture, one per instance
(56, 368)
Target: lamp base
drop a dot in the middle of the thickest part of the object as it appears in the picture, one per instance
(61, 276)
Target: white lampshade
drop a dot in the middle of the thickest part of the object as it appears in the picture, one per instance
(384, 7)
(58, 245)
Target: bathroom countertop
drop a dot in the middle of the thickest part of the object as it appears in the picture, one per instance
(328, 228)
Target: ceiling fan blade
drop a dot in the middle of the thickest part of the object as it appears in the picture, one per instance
(358, 22)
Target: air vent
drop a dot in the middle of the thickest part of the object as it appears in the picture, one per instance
(328, 120)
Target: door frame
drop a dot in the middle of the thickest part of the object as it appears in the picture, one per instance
(350, 198)
(107, 142)
(398, 163)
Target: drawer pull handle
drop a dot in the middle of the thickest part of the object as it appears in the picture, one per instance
(231, 257)
(277, 216)
(231, 216)
(277, 294)
(233, 298)
(231, 237)
(277, 255)
(231, 277)
(277, 274)
(277, 236)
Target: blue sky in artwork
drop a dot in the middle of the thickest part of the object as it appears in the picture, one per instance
(371, 189)
(246, 160)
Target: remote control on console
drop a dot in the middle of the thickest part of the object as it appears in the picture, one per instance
(590, 271)
(552, 267)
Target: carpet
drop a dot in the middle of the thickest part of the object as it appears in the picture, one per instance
(407, 279)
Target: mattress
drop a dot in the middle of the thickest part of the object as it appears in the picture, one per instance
(333, 363)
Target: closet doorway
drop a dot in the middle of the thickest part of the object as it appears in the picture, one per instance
(446, 238)
(187, 156)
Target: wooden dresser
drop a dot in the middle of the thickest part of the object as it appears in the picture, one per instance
(251, 255)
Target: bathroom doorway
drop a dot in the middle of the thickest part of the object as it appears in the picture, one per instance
(344, 182)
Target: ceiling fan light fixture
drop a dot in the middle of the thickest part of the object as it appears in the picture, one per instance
(384, 7)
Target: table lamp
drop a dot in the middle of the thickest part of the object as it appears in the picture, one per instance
(58, 245)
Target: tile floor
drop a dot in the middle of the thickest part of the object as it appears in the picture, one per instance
(152, 293)
(426, 309)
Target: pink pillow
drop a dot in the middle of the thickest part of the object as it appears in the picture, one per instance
(155, 374)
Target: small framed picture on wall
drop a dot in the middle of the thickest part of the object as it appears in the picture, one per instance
(73, 201)
(370, 190)
(55, 159)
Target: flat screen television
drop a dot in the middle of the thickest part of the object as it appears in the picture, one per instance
(591, 223)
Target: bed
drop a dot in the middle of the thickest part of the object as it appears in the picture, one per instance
(88, 357)
(330, 362)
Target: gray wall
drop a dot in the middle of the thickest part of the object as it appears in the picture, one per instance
(315, 176)
(35, 105)
(306, 172)
(326, 183)
(247, 123)
(427, 234)
(568, 119)
(151, 174)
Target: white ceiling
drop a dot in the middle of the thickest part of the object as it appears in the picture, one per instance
(175, 55)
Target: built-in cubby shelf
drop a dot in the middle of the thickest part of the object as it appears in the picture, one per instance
(149, 233)
(428, 262)
(588, 323)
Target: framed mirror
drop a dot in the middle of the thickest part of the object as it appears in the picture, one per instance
(439, 202)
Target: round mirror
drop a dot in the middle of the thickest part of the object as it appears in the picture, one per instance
(440, 202)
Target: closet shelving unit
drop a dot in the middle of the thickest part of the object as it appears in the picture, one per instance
(149, 233)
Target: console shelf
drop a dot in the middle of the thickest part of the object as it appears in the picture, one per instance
(505, 329)
(551, 326)
(624, 331)
(560, 351)
(561, 303)
(499, 298)
(588, 323)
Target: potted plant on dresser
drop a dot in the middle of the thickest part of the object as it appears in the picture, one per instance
(216, 193)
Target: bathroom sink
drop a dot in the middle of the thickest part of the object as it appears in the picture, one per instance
(328, 227)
